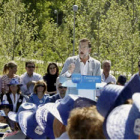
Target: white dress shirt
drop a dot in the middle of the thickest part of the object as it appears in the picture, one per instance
(25, 78)
(110, 78)
(83, 68)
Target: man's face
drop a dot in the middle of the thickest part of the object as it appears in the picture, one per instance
(106, 67)
(30, 68)
(84, 50)
(62, 90)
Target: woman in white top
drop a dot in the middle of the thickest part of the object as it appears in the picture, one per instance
(14, 96)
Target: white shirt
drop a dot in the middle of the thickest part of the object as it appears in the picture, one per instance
(25, 79)
(16, 100)
(110, 78)
(83, 68)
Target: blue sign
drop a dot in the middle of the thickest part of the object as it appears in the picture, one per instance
(91, 79)
(76, 78)
(86, 86)
(86, 81)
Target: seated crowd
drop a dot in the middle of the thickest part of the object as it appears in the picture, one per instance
(38, 107)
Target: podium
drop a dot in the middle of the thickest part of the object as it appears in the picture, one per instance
(83, 85)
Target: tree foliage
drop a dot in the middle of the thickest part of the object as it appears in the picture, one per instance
(29, 29)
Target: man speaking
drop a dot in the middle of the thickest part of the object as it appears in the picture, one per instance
(82, 63)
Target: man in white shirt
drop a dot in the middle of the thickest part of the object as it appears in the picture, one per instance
(29, 78)
(82, 63)
(106, 76)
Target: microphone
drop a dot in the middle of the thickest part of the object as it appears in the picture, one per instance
(74, 60)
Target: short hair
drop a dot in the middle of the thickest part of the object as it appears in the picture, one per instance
(29, 62)
(85, 123)
(122, 80)
(85, 40)
(40, 82)
(106, 61)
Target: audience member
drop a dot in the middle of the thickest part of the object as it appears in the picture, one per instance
(123, 122)
(52, 117)
(106, 76)
(9, 72)
(4, 127)
(6, 107)
(29, 125)
(29, 78)
(50, 78)
(60, 110)
(121, 80)
(85, 123)
(61, 90)
(3, 117)
(39, 95)
(14, 96)
(14, 116)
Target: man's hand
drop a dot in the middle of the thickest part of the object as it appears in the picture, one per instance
(71, 68)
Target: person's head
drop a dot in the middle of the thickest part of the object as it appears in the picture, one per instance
(58, 128)
(10, 67)
(121, 80)
(5, 108)
(62, 90)
(30, 67)
(53, 69)
(85, 123)
(40, 86)
(14, 89)
(14, 86)
(106, 65)
(84, 48)
(3, 118)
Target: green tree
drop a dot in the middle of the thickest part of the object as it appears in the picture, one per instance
(18, 30)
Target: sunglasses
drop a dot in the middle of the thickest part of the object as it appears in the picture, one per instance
(40, 86)
(30, 66)
(139, 66)
(52, 68)
(62, 87)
